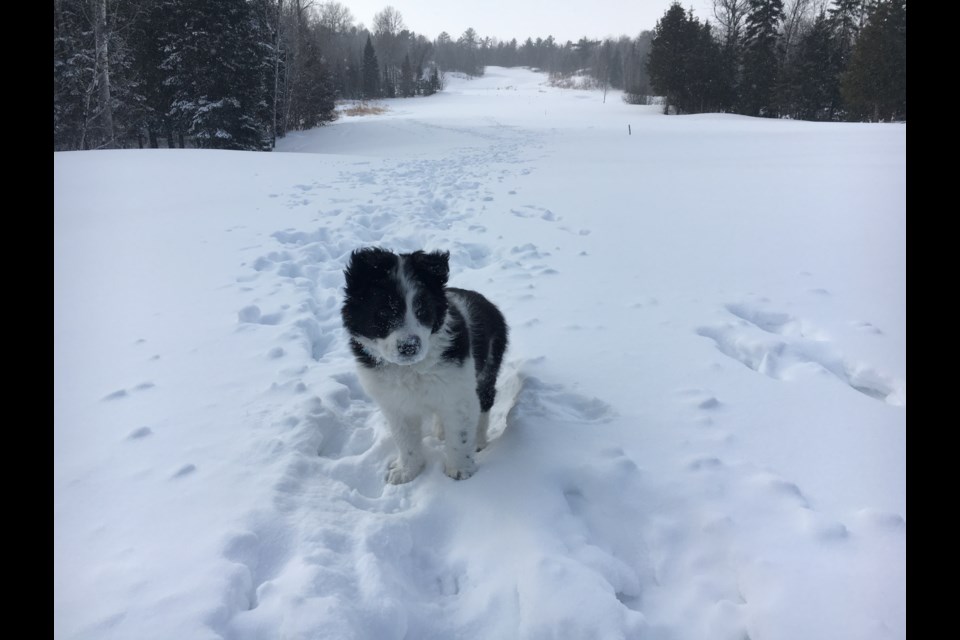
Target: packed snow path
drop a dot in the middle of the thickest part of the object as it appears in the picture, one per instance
(699, 431)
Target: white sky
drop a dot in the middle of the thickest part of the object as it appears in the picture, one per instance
(506, 19)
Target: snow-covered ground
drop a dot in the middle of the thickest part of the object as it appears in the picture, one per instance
(701, 424)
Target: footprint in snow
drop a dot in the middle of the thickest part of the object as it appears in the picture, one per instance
(183, 471)
(532, 211)
(701, 399)
(705, 463)
(251, 314)
(867, 327)
(773, 485)
(123, 393)
(260, 553)
(140, 433)
(882, 521)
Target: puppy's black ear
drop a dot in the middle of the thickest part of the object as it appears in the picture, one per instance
(436, 264)
(370, 262)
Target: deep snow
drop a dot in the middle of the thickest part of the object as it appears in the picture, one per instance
(708, 362)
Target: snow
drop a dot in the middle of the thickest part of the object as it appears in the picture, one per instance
(700, 430)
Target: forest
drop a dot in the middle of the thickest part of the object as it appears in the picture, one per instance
(239, 74)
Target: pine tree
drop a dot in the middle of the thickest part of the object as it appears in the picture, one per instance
(846, 19)
(408, 87)
(308, 94)
(705, 76)
(811, 86)
(730, 16)
(684, 62)
(468, 57)
(874, 85)
(215, 64)
(668, 52)
(371, 72)
(310, 90)
(149, 33)
(761, 59)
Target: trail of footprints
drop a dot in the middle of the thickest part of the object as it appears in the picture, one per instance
(779, 345)
(330, 444)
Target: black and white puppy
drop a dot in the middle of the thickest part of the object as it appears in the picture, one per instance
(424, 350)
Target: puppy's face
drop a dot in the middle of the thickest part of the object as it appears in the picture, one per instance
(395, 302)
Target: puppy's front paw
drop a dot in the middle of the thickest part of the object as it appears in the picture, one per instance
(398, 474)
(462, 471)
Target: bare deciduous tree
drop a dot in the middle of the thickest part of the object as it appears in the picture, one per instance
(730, 16)
(388, 22)
(335, 17)
(798, 16)
(101, 38)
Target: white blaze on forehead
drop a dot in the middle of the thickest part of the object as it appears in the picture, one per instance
(410, 289)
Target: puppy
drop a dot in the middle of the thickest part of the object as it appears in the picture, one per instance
(423, 350)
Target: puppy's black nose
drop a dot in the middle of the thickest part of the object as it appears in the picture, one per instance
(409, 346)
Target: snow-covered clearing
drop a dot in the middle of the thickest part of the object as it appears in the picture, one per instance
(702, 424)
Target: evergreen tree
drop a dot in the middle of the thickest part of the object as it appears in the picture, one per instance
(811, 86)
(371, 72)
(214, 65)
(149, 33)
(705, 75)
(846, 19)
(874, 85)
(468, 55)
(730, 16)
(684, 62)
(310, 92)
(408, 86)
(668, 55)
(761, 59)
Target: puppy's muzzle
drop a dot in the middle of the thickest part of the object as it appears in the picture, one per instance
(409, 347)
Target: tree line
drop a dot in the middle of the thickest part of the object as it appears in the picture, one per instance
(225, 74)
(239, 74)
(803, 59)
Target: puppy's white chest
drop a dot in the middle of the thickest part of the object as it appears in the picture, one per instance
(412, 390)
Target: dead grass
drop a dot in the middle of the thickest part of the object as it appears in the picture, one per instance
(363, 109)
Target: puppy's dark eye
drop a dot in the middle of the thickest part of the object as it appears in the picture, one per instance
(422, 310)
(387, 308)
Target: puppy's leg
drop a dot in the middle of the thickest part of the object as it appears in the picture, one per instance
(460, 439)
(408, 438)
(482, 426)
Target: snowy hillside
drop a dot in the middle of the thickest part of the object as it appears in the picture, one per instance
(700, 434)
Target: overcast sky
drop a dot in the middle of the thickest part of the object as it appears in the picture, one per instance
(506, 19)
